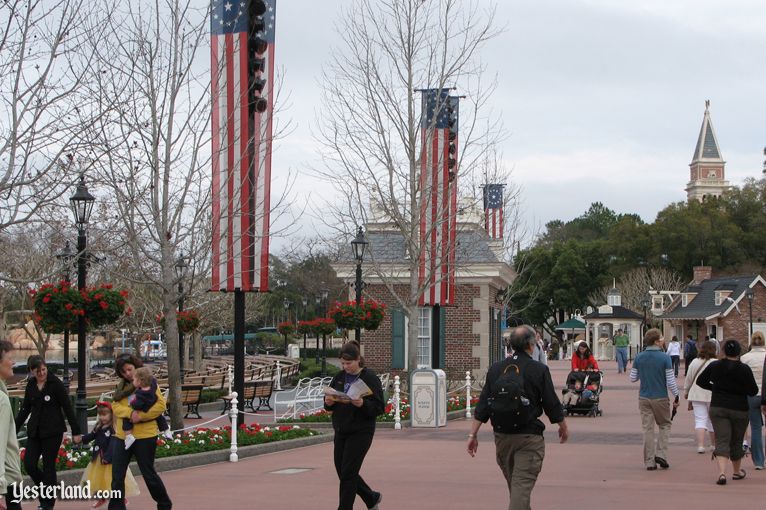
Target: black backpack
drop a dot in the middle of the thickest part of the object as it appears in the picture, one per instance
(692, 352)
(508, 404)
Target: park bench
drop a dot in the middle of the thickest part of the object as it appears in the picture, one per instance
(191, 395)
(253, 389)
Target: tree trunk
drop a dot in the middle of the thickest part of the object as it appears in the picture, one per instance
(197, 342)
(174, 368)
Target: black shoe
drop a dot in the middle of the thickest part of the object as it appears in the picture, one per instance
(651, 468)
(662, 462)
(375, 506)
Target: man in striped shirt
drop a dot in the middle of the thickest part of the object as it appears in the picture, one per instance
(655, 371)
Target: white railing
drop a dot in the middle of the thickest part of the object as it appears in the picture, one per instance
(307, 396)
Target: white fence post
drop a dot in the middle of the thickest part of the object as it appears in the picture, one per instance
(230, 374)
(467, 393)
(233, 412)
(397, 408)
(278, 387)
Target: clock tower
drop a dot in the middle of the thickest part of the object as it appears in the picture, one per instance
(707, 177)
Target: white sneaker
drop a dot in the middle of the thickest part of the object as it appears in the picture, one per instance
(168, 434)
(129, 440)
(700, 449)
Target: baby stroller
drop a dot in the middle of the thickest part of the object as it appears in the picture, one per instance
(582, 394)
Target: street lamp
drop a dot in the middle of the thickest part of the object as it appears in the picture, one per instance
(645, 303)
(359, 246)
(286, 302)
(750, 295)
(66, 256)
(304, 302)
(317, 302)
(324, 293)
(181, 266)
(82, 206)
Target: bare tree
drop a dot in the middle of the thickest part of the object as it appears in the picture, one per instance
(43, 100)
(152, 162)
(635, 285)
(371, 132)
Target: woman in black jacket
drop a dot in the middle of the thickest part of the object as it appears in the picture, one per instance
(730, 382)
(354, 424)
(44, 400)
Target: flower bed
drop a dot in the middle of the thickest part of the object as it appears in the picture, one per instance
(322, 416)
(193, 441)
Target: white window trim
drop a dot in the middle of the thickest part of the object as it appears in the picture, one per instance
(407, 338)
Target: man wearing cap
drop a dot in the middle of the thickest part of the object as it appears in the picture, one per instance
(655, 371)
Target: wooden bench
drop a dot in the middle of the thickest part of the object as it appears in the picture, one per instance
(191, 394)
(253, 389)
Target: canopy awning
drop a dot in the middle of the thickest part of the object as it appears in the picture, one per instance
(571, 325)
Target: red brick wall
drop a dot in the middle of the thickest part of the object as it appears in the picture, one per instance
(460, 339)
(736, 326)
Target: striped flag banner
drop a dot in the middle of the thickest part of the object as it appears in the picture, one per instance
(438, 200)
(493, 210)
(242, 67)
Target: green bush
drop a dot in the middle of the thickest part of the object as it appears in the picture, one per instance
(310, 368)
(210, 395)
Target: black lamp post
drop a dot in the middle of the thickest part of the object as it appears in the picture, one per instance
(82, 206)
(750, 295)
(359, 245)
(317, 302)
(645, 303)
(304, 302)
(181, 267)
(286, 302)
(66, 256)
(324, 293)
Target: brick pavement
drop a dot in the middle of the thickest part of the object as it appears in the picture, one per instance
(600, 468)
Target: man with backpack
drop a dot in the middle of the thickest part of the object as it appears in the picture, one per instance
(516, 393)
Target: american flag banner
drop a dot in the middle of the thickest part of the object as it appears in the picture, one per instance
(493, 210)
(438, 199)
(242, 68)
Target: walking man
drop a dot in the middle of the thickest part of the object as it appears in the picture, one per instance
(690, 352)
(516, 393)
(654, 370)
(621, 343)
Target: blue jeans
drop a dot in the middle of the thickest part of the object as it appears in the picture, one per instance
(756, 430)
(622, 359)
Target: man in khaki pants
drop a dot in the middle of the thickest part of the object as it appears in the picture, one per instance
(519, 444)
(655, 371)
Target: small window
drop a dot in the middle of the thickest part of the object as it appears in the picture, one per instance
(657, 303)
(684, 299)
(424, 337)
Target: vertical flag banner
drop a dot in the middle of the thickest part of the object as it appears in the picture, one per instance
(438, 183)
(242, 68)
(493, 210)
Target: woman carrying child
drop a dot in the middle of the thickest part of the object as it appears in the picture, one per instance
(99, 471)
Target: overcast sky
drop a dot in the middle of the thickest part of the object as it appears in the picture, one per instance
(602, 99)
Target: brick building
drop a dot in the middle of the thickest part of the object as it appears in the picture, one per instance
(717, 307)
(456, 338)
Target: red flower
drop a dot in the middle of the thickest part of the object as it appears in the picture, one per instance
(104, 305)
(124, 293)
(70, 464)
(47, 299)
(69, 306)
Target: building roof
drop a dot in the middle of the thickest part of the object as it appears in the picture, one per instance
(707, 144)
(617, 312)
(389, 246)
(703, 304)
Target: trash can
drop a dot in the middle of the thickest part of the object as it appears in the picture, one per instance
(428, 398)
(294, 351)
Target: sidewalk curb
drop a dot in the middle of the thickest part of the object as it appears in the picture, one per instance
(72, 477)
(452, 415)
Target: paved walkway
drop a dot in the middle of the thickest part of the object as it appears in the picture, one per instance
(599, 468)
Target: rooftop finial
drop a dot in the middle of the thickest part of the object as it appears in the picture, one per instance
(707, 104)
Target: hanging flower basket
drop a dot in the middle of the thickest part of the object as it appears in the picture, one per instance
(305, 328)
(58, 306)
(324, 326)
(367, 315)
(187, 320)
(286, 328)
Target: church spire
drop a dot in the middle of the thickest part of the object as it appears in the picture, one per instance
(707, 169)
(707, 144)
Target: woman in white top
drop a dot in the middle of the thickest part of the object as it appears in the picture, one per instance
(700, 398)
(674, 351)
(755, 360)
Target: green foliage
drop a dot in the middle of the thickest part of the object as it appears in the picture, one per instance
(310, 368)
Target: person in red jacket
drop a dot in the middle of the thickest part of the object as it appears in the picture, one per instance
(582, 359)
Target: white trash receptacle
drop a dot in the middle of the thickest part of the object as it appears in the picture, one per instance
(428, 398)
